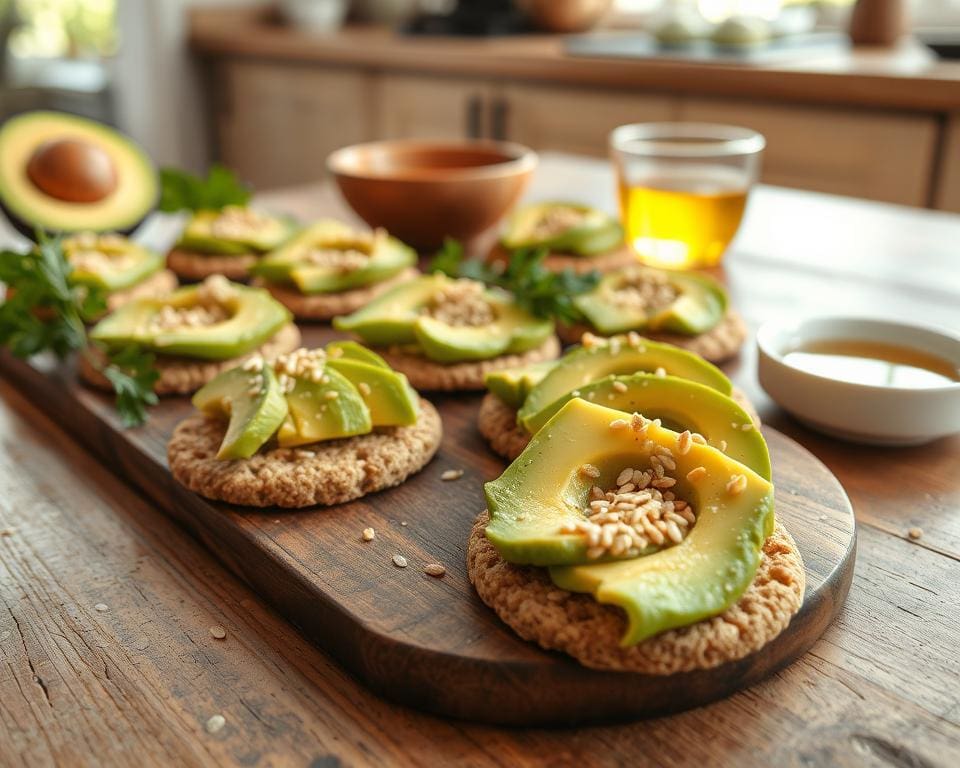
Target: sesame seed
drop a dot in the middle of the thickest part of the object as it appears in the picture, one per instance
(683, 442)
(434, 569)
(723, 446)
(588, 470)
(737, 484)
(101, 607)
(368, 534)
(302, 453)
(915, 533)
(364, 388)
(660, 372)
(617, 424)
(400, 561)
(696, 473)
(215, 724)
(452, 474)
(698, 438)
(331, 395)
(619, 386)
(746, 427)
(6, 532)
(218, 632)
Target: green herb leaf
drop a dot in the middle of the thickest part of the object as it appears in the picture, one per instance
(131, 372)
(540, 291)
(182, 191)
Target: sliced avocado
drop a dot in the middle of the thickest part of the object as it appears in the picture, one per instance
(512, 385)
(253, 317)
(563, 227)
(680, 404)
(671, 587)
(353, 351)
(387, 393)
(317, 416)
(291, 263)
(254, 403)
(204, 233)
(699, 304)
(65, 173)
(398, 317)
(111, 262)
(616, 356)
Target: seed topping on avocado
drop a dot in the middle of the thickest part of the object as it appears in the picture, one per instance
(461, 303)
(645, 290)
(236, 221)
(301, 364)
(555, 219)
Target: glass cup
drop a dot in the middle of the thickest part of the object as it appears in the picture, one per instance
(683, 188)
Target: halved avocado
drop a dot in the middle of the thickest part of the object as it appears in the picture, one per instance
(290, 263)
(315, 415)
(254, 317)
(254, 417)
(592, 231)
(398, 317)
(200, 236)
(387, 393)
(680, 404)
(700, 304)
(65, 173)
(111, 262)
(512, 385)
(616, 356)
(671, 587)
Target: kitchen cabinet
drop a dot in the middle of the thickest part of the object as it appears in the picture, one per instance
(948, 192)
(411, 106)
(863, 153)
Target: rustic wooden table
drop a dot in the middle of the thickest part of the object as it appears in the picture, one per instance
(106, 655)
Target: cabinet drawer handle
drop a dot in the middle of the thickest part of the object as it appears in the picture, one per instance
(475, 117)
(499, 113)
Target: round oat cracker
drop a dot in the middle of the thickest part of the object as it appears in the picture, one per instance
(158, 284)
(425, 374)
(183, 375)
(717, 345)
(326, 306)
(497, 422)
(526, 600)
(195, 266)
(319, 474)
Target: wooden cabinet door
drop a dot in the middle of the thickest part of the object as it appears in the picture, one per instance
(948, 192)
(577, 120)
(278, 122)
(863, 153)
(428, 107)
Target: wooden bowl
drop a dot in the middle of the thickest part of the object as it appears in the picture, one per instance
(425, 191)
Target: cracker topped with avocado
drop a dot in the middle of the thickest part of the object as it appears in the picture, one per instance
(197, 332)
(628, 373)
(635, 547)
(315, 426)
(688, 309)
(575, 237)
(123, 269)
(226, 242)
(446, 333)
(330, 269)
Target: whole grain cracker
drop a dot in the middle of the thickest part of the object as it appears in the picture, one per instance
(326, 306)
(183, 375)
(194, 266)
(340, 470)
(527, 600)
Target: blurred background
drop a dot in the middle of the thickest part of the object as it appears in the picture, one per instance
(856, 99)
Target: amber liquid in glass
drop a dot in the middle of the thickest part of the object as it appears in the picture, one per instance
(683, 220)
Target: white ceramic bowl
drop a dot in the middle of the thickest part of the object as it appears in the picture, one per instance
(878, 415)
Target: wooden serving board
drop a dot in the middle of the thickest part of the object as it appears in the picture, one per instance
(425, 642)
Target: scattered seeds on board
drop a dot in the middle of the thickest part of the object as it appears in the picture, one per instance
(403, 523)
(400, 561)
(368, 534)
(6, 532)
(101, 607)
(915, 533)
(215, 723)
(218, 632)
(452, 474)
(434, 569)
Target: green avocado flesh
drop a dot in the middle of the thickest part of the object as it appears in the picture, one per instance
(253, 417)
(110, 262)
(512, 385)
(399, 317)
(201, 236)
(616, 357)
(353, 351)
(699, 305)
(253, 317)
(681, 405)
(315, 417)
(387, 393)
(292, 263)
(671, 587)
(576, 229)
(116, 197)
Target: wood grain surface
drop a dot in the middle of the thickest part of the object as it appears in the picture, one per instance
(135, 684)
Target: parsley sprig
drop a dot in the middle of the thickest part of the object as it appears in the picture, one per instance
(44, 311)
(540, 291)
(182, 191)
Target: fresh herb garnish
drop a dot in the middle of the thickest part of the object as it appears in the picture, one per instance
(537, 289)
(44, 311)
(182, 191)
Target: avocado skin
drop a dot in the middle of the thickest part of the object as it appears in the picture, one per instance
(663, 589)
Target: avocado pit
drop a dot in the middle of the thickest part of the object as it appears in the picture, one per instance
(73, 171)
